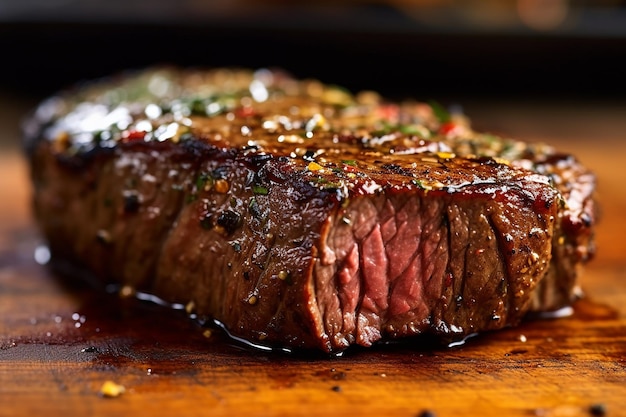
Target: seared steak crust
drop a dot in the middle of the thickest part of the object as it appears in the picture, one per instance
(299, 215)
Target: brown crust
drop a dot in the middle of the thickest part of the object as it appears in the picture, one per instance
(232, 182)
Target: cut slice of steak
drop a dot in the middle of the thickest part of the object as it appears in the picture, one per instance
(299, 215)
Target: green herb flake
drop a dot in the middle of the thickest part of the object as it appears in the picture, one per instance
(409, 129)
(490, 138)
(203, 180)
(198, 107)
(385, 129)
(331, 185)
(254, 209)
(206, 223)
(259, 189)
(440, 112)
(350, 162)
(418, 183)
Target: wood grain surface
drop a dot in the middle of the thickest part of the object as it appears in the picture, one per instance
(60, 340)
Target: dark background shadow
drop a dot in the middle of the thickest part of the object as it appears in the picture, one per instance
(424, 49)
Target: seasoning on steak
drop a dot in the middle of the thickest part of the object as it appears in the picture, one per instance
(299, 215)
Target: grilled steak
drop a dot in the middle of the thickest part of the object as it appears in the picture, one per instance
(299, 215)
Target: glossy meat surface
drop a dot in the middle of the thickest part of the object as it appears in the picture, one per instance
(302, 216)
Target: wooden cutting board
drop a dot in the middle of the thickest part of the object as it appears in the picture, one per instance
(60, 340)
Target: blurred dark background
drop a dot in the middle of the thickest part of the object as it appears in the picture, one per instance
(420, 48)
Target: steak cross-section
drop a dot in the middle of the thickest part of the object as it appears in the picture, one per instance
(299, 215)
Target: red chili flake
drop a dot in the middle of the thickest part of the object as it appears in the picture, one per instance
(133, 136)
(448, 128)
(245, 112)
(389, 112)
(448, 282)
(350, 168)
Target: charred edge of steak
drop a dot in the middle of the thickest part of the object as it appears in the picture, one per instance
(223, 232)
(573, 242)
(277, 274)
(345, 221)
